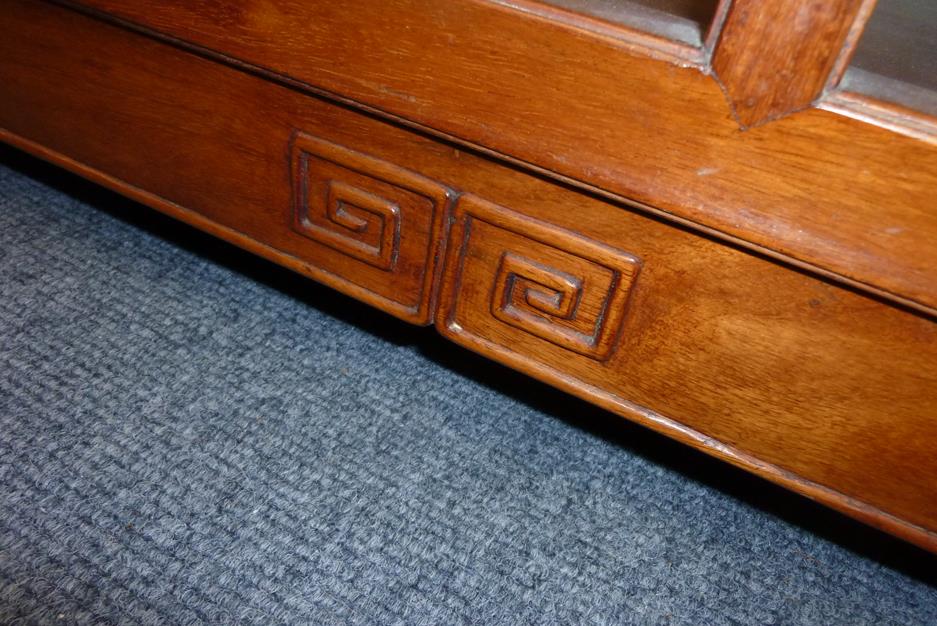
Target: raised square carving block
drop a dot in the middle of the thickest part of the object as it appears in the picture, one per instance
(510, 278)
(355, 222)
(374, 228)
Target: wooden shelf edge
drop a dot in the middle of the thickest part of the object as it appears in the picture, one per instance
(636, 41)
(888, 115)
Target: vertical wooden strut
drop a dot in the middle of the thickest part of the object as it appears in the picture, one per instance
(775, 57)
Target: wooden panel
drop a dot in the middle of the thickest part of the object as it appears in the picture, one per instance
(777, 365)
(360, 224)
(827, 191)
(819, 388)
(776, 57)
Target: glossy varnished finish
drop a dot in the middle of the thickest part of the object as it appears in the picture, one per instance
(815, 386)
(545, 282)
(775, 58)
(606, 110)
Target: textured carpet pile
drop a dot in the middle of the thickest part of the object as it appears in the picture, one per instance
(190, 435)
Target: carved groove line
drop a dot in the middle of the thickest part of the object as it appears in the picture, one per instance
(534, 297)
(350, 218)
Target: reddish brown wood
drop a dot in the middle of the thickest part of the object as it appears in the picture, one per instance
(775, 58)
(895, 117)
(812, 385)
(375, 228)
(708, 331)
(564, 289)
(829, 192)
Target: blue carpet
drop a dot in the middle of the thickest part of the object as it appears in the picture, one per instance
(191, 435)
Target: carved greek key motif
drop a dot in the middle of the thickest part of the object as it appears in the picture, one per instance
(369, 227)
(544, 281)
(355, 222)
(534, 297)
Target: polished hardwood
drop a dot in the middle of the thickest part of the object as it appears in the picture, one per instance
(604, 108)
(376, 227)
(802, 376)
(774, 58)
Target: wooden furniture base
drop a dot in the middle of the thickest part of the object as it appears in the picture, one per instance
(815, 379)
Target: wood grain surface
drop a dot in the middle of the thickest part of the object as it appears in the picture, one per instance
(604, 111)
(775, 58)
(374, 228)
(818, 387)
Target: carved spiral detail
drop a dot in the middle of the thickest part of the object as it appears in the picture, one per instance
(364, 225)
(353, 221)
(545, 302)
